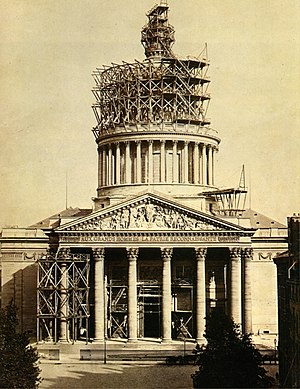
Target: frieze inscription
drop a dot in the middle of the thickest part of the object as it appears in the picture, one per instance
(116, 238)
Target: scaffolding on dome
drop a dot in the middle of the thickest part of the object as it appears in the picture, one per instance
(171, 91)
(162, 89)
(63, 296)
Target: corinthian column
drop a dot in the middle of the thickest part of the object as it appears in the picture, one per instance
(104, 163)
(100, 178)
(213, 165)
(64, 298)
(163, 161)
(196, 163)
(236, 285)
(175, 162)
(138, 162)
(132, 255)
(210, 165)
(247, 257)
(98, 255)
(200, 293)
(118, 164)
(186, 162)
(166, 254)
(109, 165)
(150, 161)
(204, 165)
(127, 164)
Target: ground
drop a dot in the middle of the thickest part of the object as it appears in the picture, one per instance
(114, 375)
(127, 366)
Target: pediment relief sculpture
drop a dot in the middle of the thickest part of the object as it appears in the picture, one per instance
(146, 215)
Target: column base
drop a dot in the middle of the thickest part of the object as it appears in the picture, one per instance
(99, 340)
(132, 340)
(201, 340)
(63, 340)
(166, 340)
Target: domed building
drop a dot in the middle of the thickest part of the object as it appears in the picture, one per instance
(163, 245)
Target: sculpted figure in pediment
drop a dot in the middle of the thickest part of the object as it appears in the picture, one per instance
(147, 215)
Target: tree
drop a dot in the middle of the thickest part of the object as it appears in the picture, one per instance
(229, 359)
(18, 360)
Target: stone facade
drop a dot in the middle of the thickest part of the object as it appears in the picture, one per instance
(288, 276)
(158, 251)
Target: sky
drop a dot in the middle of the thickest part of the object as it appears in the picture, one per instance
(49, 49)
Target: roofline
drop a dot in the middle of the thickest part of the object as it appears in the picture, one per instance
(161, 198)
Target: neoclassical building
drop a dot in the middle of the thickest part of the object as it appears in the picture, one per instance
(163, 245)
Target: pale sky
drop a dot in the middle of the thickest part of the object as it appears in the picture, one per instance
(49, 49)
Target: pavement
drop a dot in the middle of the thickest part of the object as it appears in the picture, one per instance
(120, 364)
(116, 376)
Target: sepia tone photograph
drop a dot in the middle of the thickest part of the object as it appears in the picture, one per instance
(149, 196)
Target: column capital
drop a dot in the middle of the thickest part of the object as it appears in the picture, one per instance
(64, 252)
(99, 253)
(50, 252)
(200, 253)
(166, 253)
(235, 253)
(247, 253)
(132, 253)
(175, 142)
(138, 142)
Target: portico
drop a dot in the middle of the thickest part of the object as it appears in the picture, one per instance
(158, 275)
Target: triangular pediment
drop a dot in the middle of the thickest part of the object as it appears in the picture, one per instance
(149, 212)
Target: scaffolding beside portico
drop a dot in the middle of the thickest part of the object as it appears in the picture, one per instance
(63, 296)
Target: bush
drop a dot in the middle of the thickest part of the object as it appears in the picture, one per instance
(229, 359)
(18, 360)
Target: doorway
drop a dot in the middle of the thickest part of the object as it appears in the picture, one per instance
(149, 312)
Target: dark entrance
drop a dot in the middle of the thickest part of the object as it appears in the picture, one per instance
(152, 317)
(149, 312)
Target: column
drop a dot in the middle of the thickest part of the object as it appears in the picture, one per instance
(247, 257)
(109, 181)
(200, 293)
(150, 161)
(64, 254)
(138, 161)
(127, 164)
(175, 162)
(204, 165)
(186, 162)
(196, 163)
(235, 285)
(132, 255)
(163, 161)
(213, 166)
(118, 164)
(209, 162)
(99, 166)
(100, 303)
(104, 166)
(166, 254)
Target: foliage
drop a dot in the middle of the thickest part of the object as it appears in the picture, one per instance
(18, 360)
(229, 359)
